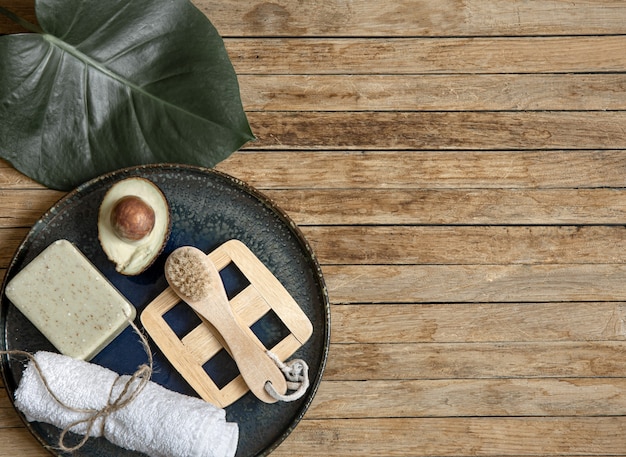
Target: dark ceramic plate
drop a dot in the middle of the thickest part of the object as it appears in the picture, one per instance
(208, 208)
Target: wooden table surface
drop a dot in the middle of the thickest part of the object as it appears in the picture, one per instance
(459, 167)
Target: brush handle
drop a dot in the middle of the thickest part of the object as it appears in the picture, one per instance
(254, 364)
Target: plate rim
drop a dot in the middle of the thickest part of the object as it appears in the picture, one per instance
(139, 170)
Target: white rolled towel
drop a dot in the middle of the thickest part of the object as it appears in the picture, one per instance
(158, 422)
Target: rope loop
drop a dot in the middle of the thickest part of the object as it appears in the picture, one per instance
(297, 375)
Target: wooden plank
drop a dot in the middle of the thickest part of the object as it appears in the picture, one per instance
(425, 436)
(453, 361)
(474, 283)
(427, 169)
(22, 208)
(454, 207)
(418, 56)
(8, 416)
(439, 130)
(466, 245)
(441, 18)
(447, 398)
(371, 18)
(452, 437)
(11, 178)
(449, 92)
(443, 245)
(409, 169)
(479, 323)
(19, 441)
(399, 207)
(10, 239)
(470, 397)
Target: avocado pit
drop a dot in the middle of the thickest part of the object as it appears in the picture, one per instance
(132, 218)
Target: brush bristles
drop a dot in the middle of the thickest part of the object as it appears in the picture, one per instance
(185, 271)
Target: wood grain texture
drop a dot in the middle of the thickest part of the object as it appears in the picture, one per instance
(458, 169)
(439, 130)
(479, 322)
(409, 361)
(453, 207)
(400, 207)
(467, 245)
(420, 18)
(418, 56)
(380, 169)
(19, 441)
(419, 169)
(464, 245)
(398, 19)
(445, 92)
(469, 398)
(22, 208)
(508, 436)
(474, 283)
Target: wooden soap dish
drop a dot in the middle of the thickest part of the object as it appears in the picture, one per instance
(263, 293)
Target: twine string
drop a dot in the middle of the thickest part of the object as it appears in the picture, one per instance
(131, 389)
(297, 374)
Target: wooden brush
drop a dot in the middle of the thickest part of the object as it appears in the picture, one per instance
(196, 280)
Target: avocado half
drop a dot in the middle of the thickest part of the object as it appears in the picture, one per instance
(133, 256)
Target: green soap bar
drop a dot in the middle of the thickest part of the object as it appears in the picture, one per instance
(69, 300)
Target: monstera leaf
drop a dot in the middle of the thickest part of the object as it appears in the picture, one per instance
(105, 84)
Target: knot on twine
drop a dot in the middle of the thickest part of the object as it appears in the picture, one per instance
(297, 374)
(131, 389)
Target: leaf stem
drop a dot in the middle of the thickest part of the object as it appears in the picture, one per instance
(24, 23)
(88, 61)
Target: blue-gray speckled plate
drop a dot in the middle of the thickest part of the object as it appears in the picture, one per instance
(208, 208)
